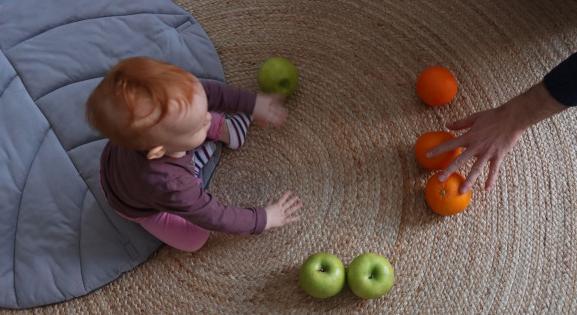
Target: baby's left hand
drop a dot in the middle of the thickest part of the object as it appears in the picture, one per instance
(269, 110)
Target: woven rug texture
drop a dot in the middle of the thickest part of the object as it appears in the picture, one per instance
(347, 150)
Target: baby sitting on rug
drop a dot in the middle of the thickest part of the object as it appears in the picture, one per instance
(162, 123)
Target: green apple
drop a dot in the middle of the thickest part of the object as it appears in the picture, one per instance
(370, 276)
(278, 75)
(322, 275)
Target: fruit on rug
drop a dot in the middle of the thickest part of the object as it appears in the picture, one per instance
(322, 275)
(444, 197)
(278, 75)
(436, 86)
(428, 141)
(370, 276)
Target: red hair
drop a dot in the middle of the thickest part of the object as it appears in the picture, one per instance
(112, 105)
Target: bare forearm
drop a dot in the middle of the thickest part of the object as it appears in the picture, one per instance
(533, 106)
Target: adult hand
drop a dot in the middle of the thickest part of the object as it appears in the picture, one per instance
(493, 133)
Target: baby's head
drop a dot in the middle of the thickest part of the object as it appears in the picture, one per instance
(152, 106)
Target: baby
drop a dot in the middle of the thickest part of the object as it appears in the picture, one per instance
(162, 124)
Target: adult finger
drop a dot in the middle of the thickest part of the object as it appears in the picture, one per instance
(463, 123)
(447, 146)
(464, 157)
(493, 172)
(473, 174)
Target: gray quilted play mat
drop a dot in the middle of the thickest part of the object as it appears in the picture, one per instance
(60, 240)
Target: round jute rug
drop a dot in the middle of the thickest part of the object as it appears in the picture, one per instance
(347, 151)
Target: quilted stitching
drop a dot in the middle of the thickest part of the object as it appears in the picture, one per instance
(56, 78)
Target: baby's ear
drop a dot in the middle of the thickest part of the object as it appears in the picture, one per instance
(156, 153)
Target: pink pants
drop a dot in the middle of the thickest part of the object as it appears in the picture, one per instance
(173, 230)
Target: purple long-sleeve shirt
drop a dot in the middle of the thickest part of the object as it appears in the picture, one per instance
(138, 187)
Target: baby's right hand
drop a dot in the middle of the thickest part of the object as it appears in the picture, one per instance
(269, 110)
(283, 211)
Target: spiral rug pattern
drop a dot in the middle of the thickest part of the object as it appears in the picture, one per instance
(347, 150)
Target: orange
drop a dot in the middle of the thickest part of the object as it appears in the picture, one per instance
(436, 86)
(444, 198)
(428, 141)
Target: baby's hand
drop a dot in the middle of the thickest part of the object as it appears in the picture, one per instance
(283, 211)
(269, 110)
